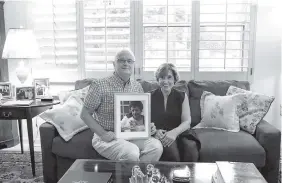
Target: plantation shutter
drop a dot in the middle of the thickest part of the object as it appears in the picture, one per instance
(106, 30)
(167, 35)
(55, 26)
(226, 37)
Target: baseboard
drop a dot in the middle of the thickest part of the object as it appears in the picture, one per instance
(10, 143)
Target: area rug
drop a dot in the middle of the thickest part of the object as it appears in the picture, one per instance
(16, 168)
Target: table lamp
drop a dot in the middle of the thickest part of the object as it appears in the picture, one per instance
(21, 44)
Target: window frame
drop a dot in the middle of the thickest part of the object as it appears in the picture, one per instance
(137, 45)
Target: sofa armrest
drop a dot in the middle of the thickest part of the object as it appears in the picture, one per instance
(47, 133)
(269, 138)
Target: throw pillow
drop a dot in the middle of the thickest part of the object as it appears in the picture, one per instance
(219, 112)
(66, 118)
(81, 93)
(252, 109)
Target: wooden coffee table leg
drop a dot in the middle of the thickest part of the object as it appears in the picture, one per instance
(21, 133)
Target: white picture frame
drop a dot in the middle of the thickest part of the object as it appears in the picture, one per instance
(41, 86)
(136, 131)
(25, 93)
(6, 89)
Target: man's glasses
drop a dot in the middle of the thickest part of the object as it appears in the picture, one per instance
(124, 61)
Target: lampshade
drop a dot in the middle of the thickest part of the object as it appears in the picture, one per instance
(20, 44)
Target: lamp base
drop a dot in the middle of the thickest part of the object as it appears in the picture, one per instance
(22, 72)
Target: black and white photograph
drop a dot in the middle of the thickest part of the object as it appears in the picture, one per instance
(6, 89)
(132, 115)
(41, 86)
(25, 93)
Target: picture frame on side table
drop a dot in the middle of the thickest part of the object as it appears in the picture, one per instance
(25, 93)
(41, 86)
(132, 115)
(6, 89)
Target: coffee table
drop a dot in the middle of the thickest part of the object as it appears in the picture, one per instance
(121, 170)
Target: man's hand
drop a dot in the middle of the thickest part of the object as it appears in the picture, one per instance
(169, 138)
(108, 136)
(160, 134)
(153, 128)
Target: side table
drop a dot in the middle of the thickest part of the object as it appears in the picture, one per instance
(26, 112)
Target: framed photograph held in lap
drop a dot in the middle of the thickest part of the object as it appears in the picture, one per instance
(132, 115)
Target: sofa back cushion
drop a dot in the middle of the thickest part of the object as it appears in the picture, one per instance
(196, 89)
(79, 84)
(148, 86)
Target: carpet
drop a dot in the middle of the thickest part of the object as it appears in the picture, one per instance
(16, 168)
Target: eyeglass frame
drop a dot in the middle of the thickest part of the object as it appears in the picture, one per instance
(129, 61)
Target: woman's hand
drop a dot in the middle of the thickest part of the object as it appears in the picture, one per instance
(169, 138)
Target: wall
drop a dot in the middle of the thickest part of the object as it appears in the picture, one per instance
(267, 73)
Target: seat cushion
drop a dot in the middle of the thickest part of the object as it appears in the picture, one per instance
(217, 145)
(79, 147)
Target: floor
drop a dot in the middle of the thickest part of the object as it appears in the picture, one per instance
(37, 121)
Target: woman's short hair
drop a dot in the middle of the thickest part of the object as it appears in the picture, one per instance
(138, 104)
(163, 71)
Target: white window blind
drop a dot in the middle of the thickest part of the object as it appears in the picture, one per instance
(224, 42)
(55, 26)
(106, 30)
(167, 33)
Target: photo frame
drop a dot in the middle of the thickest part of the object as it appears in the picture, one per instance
(132, 115)
(41, 86)
(25, 93)
(6, 89)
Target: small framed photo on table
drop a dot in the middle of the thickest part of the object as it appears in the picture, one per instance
(25, 93)
(6, 89)
(132, 115)
(41, 86)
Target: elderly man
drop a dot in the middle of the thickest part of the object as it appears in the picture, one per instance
(100, 102)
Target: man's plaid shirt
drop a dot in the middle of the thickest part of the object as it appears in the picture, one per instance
(100, 98)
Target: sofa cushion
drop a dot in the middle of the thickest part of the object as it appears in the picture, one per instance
(79, 147)
(228, 146)
(196, 89)
(148, 86)
(79, 84)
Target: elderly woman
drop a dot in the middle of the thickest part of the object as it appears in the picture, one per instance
(170, 111)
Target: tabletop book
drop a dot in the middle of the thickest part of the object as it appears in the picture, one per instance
(72, 176)
(17, 103)
(237, 172)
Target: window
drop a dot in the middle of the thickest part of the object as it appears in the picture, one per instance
(224, 36)
(55, 26)
(106, 30)
(167, 33)
(204, 39)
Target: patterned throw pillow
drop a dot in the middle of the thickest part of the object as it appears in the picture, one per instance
(64, 95)
(66, 118)
(252, 109)
(219, 112)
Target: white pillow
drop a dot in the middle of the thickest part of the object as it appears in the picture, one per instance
(81, 93)
(219, 112)
(252, 109)
(66, 118)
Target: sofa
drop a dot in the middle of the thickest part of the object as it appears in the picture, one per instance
(262, 148)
